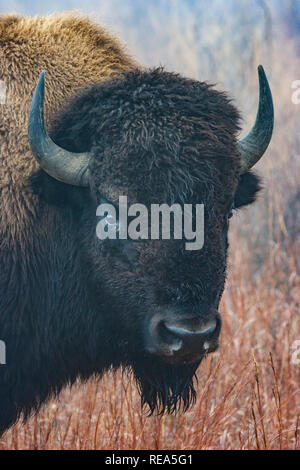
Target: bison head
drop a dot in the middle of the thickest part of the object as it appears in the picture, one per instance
(156, 138)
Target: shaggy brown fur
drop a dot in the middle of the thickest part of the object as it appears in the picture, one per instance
(75, 52)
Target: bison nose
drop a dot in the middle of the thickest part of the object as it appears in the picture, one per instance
(183, 340)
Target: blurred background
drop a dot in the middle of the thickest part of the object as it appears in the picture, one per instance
(249, 391)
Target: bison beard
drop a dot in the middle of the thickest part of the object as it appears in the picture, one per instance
(165, 388)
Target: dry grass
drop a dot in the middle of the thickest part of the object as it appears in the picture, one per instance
(248, 392)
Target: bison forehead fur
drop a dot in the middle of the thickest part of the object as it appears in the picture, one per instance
(68, 307)
(158, 125)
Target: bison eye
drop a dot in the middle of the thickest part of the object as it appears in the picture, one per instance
(230, 211)
(110, 219)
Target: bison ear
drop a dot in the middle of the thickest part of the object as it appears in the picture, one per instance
(54, 192)
(248, 187)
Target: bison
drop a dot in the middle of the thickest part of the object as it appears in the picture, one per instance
(72, 305)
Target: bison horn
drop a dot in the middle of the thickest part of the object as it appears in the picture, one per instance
(254, 145)
(68, 167)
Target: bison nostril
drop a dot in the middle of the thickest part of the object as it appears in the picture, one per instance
(205, 329)
(183, 339)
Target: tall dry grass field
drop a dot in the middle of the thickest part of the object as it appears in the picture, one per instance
(249, 391)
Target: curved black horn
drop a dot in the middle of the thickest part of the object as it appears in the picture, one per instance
(254, 145)
(68, 167)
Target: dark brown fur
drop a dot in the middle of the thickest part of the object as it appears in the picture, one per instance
(70, 305)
